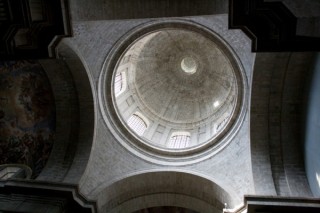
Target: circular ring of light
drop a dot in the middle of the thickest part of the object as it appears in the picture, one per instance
(189, 65)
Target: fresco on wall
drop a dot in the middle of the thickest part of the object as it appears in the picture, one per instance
(27, 115)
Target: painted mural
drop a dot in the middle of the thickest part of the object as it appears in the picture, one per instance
(27, 115)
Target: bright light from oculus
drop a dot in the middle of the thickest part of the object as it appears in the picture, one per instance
(188, 65)
(216, 104)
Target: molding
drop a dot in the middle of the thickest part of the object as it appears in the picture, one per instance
(24, 34)
(271, 26)
(49, 191)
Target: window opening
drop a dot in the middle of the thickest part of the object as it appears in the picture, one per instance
(179, 140)
(8, 172)
(119, 83)
(137, 124)
(222, 123)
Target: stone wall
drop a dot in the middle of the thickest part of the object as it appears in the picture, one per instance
(123, 9)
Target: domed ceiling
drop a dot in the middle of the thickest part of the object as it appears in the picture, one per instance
(175, 89)
(182, 77)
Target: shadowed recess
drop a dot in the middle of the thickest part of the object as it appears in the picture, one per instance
(27, 115)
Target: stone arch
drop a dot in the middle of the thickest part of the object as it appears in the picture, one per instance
(75, 118)
(276, 130)
(164, 188)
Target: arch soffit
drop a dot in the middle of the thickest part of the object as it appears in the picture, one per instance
(157, 182)
(84, 114)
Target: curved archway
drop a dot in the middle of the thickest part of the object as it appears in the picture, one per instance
(75, 117)
(164, 188)
(276, 123)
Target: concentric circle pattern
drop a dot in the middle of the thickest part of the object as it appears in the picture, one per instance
(175, 89)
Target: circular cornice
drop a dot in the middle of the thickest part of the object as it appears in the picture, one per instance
(148, 151)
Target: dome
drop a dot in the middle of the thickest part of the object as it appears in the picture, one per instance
(175, 89)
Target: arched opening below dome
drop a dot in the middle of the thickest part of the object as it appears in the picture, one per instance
(165, 188)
